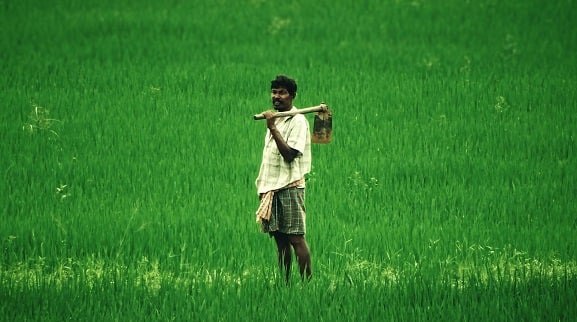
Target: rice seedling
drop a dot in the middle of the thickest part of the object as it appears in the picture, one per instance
(128, 182)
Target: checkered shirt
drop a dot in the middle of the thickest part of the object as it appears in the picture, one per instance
(275, 172)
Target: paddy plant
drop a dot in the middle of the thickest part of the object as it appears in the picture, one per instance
(129, 155)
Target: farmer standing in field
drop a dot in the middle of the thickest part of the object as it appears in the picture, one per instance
(281, 186)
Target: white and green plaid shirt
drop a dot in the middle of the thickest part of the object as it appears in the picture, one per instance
(275, 172)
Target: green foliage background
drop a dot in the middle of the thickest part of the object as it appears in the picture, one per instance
(129, 155)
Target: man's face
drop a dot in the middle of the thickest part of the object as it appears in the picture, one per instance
(281, 99)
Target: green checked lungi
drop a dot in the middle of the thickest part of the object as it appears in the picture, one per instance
(288, 212)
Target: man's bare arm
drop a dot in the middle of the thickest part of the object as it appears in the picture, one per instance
(288, 153)
(285, 150)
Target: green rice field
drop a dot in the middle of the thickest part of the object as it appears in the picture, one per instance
(129, 154)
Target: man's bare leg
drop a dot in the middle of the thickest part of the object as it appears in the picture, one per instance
(303, 255)
(284, 253)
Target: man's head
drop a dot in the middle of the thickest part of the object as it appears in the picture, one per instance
(283, 91)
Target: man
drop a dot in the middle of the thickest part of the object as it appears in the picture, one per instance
(281, 186)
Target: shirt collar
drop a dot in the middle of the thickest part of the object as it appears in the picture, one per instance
(286, 118)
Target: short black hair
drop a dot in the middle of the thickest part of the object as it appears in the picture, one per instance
(285, 82)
